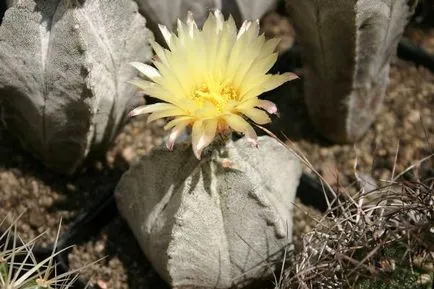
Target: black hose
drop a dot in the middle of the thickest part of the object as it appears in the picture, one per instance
(409, 51)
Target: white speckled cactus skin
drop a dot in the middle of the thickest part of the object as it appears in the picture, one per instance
(64, 73)
(347, 47)
(216, 222)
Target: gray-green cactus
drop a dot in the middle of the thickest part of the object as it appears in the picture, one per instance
(64, 73)
(347, 47)
(216, 222)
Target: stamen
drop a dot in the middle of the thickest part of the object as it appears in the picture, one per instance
(219, 95)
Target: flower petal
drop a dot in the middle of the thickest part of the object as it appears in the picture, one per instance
(219, 19)
(196, 132)
(244, 43)
(177, 120)
(159, 51)
(257, 115)
(244, 27)
(248, 104)
(152, 89)
(269, 47)
(176, 111)
(269, 106)
(239, 124)
(270, 82)
(151, 108)
(203, 134)
(249, 60)
(226, 43)
(211, 78)
(192, 26)
(277, 80)
(166, 34)
(149, 71)
(209, 131)
(158, 91)
(263, 64)
(170, 80)
(174, 134)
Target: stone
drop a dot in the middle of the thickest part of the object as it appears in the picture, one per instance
(64, 74)
(347, 46)
(220, 221)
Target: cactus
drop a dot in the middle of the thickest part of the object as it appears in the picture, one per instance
(213, 223)
(166, 12)
(64, 73)
(20, 269)
(347, 47)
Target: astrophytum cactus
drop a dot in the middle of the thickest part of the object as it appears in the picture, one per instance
(64, 74)
(347, 47)
(216, 222)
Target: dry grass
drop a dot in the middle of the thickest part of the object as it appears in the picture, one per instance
(382, 238)
(20, 268)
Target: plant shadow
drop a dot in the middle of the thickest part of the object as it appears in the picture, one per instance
(73, 193)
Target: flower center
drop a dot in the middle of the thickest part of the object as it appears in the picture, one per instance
(218, 95)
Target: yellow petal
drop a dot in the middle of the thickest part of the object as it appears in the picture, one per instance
(270, 82)
(166, 113)
(152, 89)
(227, 41)
(175, 71)
(244, 27)
(205, 137)
(182, 35)
(175, 133)
(159, 51)
(196, 132)
(236, 56)
(210, 25)
(239, 124)
(149, 71)
(263, 64)
(257, 115)
(248, 60)
(151, 108)
(166, 34)
(269, 47)
(192, 26)
(248, 104)
(212, 35)
(212, 77)
(278, 80)
(170, 81)
(254, 88)
(178, 120)
(219, 19)
(257, 72)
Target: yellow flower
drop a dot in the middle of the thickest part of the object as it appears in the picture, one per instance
(210, 79)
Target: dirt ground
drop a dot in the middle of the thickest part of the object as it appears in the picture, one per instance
(404, 129)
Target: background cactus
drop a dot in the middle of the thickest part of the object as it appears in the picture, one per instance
(166, 12)
(64, 73)
(347, 46)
